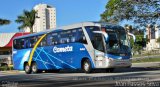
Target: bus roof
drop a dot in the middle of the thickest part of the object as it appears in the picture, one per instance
(76, 25)
(39, 33)
(101, 24)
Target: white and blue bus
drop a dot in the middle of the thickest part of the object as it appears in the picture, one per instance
(86, 46)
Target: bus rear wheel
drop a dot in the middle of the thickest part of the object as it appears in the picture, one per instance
(27, 68)
(87, 66)
(34, 68)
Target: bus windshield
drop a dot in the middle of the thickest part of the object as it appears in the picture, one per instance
(117, 42)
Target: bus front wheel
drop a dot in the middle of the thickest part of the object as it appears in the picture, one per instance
(87, 66)
(27, 68)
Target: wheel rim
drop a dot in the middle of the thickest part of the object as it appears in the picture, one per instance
(86, 66)
(34, 68)
(27, 68)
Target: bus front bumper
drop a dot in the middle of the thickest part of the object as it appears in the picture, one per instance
(113, 63)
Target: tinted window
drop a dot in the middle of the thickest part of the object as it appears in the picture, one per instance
(52, 39)
(16, 44)
(32, 41)
(66, 36)
(29, 42)
(98, 42)
(81, 37)
(90, 30)
(73, 35)
(43, 42)
(22, 43)
(96, 39)
(19, 43)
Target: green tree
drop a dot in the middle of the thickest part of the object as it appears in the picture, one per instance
(27, 20)
(141, 12)
(128, 27)
(131, 42)
(4, 21)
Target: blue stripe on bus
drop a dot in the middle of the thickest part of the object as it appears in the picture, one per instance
(47, 59)
(47, 54)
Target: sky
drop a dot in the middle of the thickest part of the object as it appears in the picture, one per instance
(67, 11)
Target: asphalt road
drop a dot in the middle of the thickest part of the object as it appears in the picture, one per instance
(132, 77)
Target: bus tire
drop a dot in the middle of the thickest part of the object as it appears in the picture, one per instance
(34, 68)
(87, 66)
(27, 68)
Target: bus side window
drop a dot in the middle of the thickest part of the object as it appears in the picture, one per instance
(72, 35)
(55, 39)
(40, 44)
(18, 44)
(61, 37)
(81, 38)
(43, 42)
(15, 44)
(71, 38)
(26, 43)
(22, 44)
(98, 42)
(32, 42)
(52, 39)
(64, 37)
(68, 36)
(49, 41)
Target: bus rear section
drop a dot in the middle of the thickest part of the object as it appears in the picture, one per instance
(66, 49)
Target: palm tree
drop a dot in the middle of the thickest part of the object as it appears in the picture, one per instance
(26, 20)
(4, 21)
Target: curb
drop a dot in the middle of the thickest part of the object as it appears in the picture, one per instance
(146, 64)
(142, 57)
(12, 71)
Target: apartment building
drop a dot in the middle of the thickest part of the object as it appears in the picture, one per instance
(45, 18)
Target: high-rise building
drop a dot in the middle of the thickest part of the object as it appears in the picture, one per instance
(45, 18)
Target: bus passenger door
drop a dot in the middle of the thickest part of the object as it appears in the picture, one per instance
(99, 49)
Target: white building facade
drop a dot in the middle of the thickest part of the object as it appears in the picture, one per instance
(153, 33)
(45, 18)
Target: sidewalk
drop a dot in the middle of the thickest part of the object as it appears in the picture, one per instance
(149, 56)
(12, 71)
(146, 64)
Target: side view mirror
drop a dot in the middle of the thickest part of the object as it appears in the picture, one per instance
(134, 37)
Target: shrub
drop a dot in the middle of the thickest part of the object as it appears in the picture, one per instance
(5, 68)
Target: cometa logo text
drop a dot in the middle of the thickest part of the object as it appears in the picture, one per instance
(62, 49)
